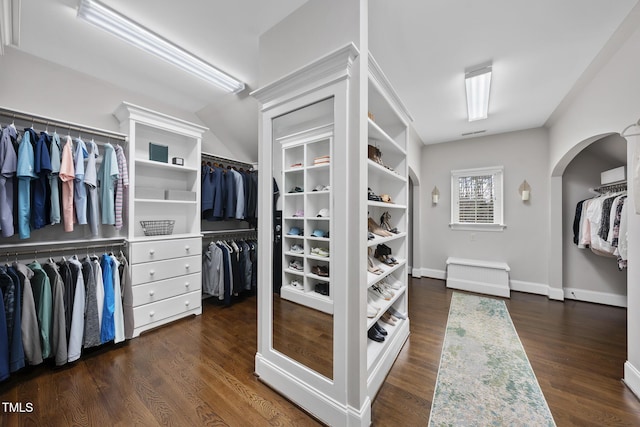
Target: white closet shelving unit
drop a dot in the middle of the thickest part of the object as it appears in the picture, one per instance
(305, 168)
(359, 364)
(165, 268)
(387, 129)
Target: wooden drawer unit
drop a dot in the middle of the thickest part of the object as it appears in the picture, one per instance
(162, 289)
(167, 308)
(164, 249)
(160, 270)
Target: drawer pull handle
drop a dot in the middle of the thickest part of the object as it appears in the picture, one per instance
(151, 272)
(186, 266)
(187, 248)
(186, 285)
(151, 293)
(152, 251)
(186, 303)
(151, 313)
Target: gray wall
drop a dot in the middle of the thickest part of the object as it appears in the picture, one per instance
(320, 27)
(523, 243)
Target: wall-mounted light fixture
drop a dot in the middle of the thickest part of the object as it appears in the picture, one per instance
(435, 196)
(477, 81)
(140, 37)
(525, 191)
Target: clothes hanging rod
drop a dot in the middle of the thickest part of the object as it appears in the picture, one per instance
(615, 186)
(221, 232)
(65, 245)
(32, 118)
(224, 160)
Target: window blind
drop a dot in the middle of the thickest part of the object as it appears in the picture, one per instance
(476, 199)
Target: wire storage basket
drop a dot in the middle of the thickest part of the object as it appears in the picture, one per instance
(157, 227)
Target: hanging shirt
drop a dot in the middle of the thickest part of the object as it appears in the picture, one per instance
(44, 306)
(97, 274)
(91, 324)
(58, 332)
(125, 285)
(91, 182)
(122, 184)
(54, 181)
(67, 175)
(79, 190)
(25, 174)
(16, 349)
(107, 330)
(118, 317)
(77, 317)
(8, 166)
(239, 194)
(4, 344)
(231, 195)
(29, 325)
(41, 197)
(107, 176)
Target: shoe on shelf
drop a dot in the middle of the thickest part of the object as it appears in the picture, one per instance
(296, 284)
(296, 248)
(299, 213)
(370, 235)
(396, 313)
(395, 285)
(296, 265)
(375, 229)
(320, 252)
(380, 329)
(371, 311)
(388, 319)
(383, 293)
(372, 268)
(322, 288)
(374, 335)
(373, 196)
(320, 270)
(321, 188)
(296, 190)
(374, 298)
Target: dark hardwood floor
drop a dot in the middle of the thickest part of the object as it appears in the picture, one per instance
(199, 371)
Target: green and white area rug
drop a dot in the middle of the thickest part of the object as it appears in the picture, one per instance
(485, 378)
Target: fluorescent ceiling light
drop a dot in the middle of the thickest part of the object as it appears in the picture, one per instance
(131, 32)
(478, 84)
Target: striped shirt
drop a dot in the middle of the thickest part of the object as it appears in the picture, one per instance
(121, 184)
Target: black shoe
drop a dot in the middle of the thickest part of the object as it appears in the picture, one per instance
(374, 335)
(380, 329)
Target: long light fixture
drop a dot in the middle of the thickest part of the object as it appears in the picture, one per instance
(478, 83)
(135, 34)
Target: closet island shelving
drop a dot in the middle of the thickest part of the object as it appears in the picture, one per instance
(359, 365)
(166, 264)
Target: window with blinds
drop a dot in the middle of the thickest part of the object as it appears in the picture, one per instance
(477, 198)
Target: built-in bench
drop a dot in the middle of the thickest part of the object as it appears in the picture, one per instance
(484, 277)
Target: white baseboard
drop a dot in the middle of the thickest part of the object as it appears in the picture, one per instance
(632, 378)
(536, 288)
(429, 272)
(312, 400)
(595, 296)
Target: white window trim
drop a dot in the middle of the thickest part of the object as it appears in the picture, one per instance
(498, 174)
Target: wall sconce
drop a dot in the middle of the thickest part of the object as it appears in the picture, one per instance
(435, 196)
(525, 190)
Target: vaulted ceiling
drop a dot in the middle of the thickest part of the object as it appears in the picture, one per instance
(538, 48)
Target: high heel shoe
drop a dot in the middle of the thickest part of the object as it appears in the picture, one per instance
(375, 229)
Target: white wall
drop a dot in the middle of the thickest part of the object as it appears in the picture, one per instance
(606, 102)
(582, 269)
(318, 27)
(40, 87)
(522, 244)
